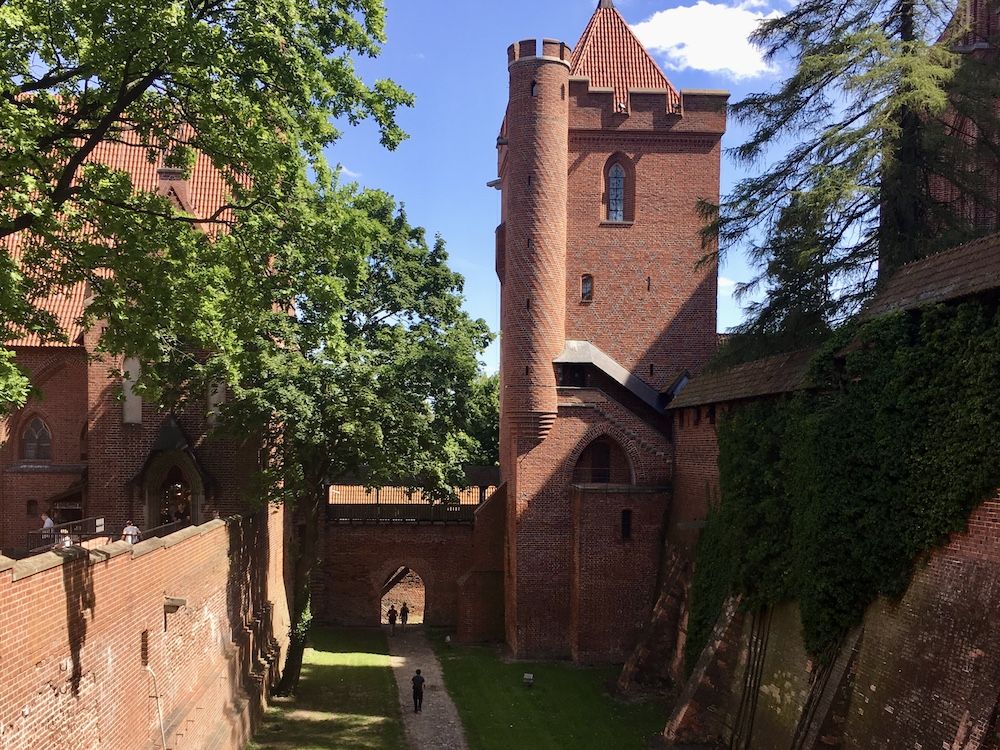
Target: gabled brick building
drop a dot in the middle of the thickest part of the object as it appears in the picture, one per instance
(604, 311)
(86, 446)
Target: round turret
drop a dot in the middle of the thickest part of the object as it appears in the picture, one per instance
(535, 194)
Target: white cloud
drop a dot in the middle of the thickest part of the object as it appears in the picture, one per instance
(709, 36)
(726, 283)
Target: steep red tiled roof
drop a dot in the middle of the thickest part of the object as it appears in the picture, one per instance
(969, 269)
(781, 373)
(612, 57)
(207, 192)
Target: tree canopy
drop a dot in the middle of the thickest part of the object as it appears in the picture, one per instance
(856, 157)
(255, 87)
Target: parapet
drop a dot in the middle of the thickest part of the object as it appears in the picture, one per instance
(527, 49)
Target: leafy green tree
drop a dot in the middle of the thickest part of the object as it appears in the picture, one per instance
(860, 138)
(254, 86)
(484, 420)
(371, 377)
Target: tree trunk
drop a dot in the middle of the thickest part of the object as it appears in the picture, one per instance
(903, 223)
(307, 524)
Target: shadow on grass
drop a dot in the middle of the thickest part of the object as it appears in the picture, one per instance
(567, 707)
(346, 698)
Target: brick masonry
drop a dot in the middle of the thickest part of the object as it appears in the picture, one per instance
(920, 672)
(653, 311)
(357, 560)
(77, 628)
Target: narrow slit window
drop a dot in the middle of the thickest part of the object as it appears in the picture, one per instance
(616, 193)
(586, 288)
(626, 525)
(534, 88)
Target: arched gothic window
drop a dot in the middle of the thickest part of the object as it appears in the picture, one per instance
(36, 441)
(616, 193)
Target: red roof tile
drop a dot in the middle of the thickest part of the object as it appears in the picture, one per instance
(781, 373)
(963, 271)
(207, 193)
(612, 57)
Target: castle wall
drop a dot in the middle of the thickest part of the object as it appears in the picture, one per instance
(544, 520)
(696, 476)
(77, 627)
(481, 588)
(356, 560)
(60, 375)
(923, 671)
(613, 577)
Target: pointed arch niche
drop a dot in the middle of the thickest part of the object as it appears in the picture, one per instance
(603, 461)
(172, 486)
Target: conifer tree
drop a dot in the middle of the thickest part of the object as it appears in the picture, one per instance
(860, 138)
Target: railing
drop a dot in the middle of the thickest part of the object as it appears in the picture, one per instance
(88, 529)
(78, 532)
(394, 513)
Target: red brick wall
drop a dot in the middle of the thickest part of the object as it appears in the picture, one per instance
(924, 672)
(696, 476)
(653, 311)
(481, 588)
(614, 579)
(118, 452)
(357, 560)
(540, 516)
(71, 672)
(60, 376)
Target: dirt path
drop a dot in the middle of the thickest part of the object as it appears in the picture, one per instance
(437, 726)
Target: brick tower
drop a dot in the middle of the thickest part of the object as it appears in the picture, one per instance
(602, 163)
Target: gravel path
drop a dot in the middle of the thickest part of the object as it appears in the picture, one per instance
(437, 726)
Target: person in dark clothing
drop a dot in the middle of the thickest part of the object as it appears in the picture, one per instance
(392, 615)
(418, 692)
(404, 615)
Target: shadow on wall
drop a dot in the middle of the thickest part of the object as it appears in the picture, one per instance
(78, 585)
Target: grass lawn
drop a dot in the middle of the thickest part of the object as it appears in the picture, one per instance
(347, 698)
(568, 706)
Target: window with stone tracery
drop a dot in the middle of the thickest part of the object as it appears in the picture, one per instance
(616, 193)
(36, 441)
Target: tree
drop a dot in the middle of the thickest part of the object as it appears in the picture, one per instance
(484, 420)
(371, 377)
(253, 86)
(865, 132)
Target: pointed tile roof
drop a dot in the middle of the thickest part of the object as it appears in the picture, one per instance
(612, 57)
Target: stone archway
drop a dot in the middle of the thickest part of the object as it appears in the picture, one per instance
(404, 586)
(172, 484)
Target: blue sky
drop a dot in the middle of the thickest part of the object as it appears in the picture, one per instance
(451, 55)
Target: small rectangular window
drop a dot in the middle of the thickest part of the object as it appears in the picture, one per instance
(626, 525)
(586, 288)
(711, 414)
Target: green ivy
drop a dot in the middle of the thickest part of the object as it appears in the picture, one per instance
(832, 494)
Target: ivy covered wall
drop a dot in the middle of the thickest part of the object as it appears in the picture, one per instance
(831, 495)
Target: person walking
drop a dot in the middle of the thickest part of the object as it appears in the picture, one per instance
(392, 615)
(131, 533)
(418, 692)
(404, 615)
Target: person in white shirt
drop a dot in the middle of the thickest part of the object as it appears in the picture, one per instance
(131, 533)
(47, 522)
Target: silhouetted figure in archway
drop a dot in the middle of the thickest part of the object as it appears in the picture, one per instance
(404, 615)
(392, 615)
